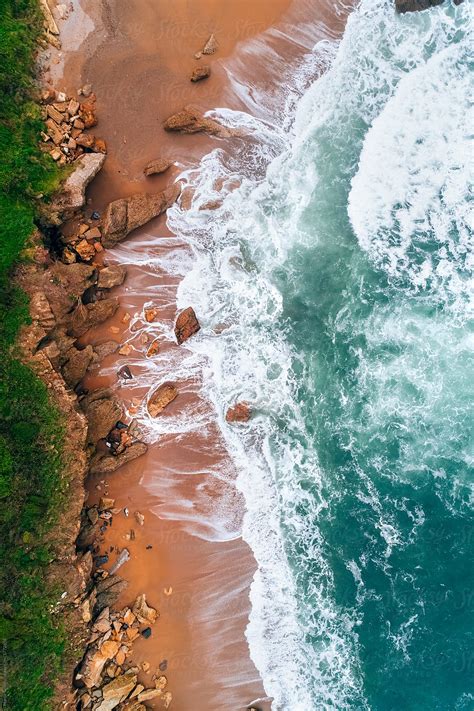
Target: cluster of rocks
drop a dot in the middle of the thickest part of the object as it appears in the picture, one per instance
(67, 120)
(104, 679)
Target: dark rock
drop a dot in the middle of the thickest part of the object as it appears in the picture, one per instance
(125, 373)
(75, 367)
(125, 215)
(107, 463)
(186, 325)
(111, 276)
(163, 665)
(146, 632)
(108, 591)
(402, 6)
(102, 416)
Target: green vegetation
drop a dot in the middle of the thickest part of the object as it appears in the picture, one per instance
(30, 438)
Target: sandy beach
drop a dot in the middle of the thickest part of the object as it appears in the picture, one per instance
(188, 557)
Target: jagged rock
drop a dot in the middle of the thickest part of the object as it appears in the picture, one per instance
(186, 325)
(143, 612)
(73, 191)
(201, 73)
(102, 416)
(64, 284)
(111, 276)
(161, 398)
(117, 691)
(133, 705)
(125, 215)
(149, 694)
(40, 310)
(105, 464)
(108, 591)
(240, 412)
(76, 365)
(102, 350)
(155, 167)
(415, 5)
(192, 120)
(94, 661)
(87, 114)
(106, 503)
(211, 45)
(150, 312)
(161, 683)
(153, 349)
(89, 315)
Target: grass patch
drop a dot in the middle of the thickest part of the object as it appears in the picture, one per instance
(31, 485)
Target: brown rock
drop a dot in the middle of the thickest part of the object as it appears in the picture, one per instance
(55, 114)
(106, 503)
(94, 661)
(93, 233)
(240, 412)
(161, 683)
(186, 325)
(72, 194)
(106, 464)
(133, 705)
(151, 312)
(90, 315)
(85, 250)
(153, 349)
(125, 215)
(201, 73)
(87, 114)
(192, 120)
(104, 349)
(162, 397)
(117, 691)
(73, 107)
(111, 276)
(160, 165)
(143, 612)
(85, 140)
(211, 45)
(102, 416)
(149, 694)
(100, 145)
(76, 365)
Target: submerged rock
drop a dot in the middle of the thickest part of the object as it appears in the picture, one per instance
(127, 214)
(161, 398)
(240, 412)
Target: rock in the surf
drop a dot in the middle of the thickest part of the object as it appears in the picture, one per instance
(201, 73)
(211, 45)
(186, 325)
(415, 5)
(161, 398)
(111, 276)
(158, 166)
(125, 215)
(192, 120)
(240, 412)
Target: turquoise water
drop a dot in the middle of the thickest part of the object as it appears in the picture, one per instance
(345, 273)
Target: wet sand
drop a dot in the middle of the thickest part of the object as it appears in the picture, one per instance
(188, 557)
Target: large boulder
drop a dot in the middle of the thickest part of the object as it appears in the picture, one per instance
(102, 416)
(76, 365)
(186, 325)
(64, 284)
(108, 592)
(125, 215)
(94, 661)
(73, 191)
(117, 691)
(192, 120)
(161, 398)
(107, 463)
(87, 316)
(111, 276)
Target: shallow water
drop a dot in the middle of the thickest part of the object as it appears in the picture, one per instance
(339, 274)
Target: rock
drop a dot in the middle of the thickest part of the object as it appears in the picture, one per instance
(146, 633)
(125, 373)
(94, 661)
(150, 312)
(149, 694)
(240, 412)
(201, 73)
(161, 398)
(117, 691)
(186, 325)
(153, 349)
(102, 416)
(85, 250)
(105, 464)
(402, 6)
(106, 503)
(163, 665)
(93, 233)
(104, 349)
(122, 558)
(111, 276)
(90, 315)
(76, 365)
(155, 167)
(192, 120)
(132, 705)
(143, 612)
(72, 195)
(54, 114)
(87, 114)
(125, 215)
(139, 518)
(211, 45)
(108, 591)
(161, 683)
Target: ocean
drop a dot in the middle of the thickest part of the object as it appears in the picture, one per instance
(333, 280)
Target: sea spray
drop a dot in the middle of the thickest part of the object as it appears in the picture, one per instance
(336, 269)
